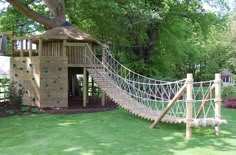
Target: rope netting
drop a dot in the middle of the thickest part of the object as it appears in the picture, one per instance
(154, 94)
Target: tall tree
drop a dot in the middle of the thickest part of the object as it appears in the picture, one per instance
(164, 37)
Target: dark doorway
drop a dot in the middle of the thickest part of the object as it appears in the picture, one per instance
(75, 86)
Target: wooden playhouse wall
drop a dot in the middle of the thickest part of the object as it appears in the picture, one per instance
(54, 81)
(24, 72)
(44, 80)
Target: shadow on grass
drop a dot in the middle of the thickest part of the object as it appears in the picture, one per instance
(113, 132)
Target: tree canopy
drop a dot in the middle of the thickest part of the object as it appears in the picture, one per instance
(165, 39)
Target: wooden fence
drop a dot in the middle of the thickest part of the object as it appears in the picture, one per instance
(4, 89)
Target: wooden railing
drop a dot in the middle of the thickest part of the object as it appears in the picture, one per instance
(34, 46)
(52, 46)
(4, 92)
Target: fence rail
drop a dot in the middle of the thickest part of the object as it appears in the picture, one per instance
(4, 88)
(4, 92)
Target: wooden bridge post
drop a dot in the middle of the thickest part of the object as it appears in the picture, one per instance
(21, 48)
(103, 98)
(85, 88)
(73, 84)
(93, 89)
(40, 48)
(189, 105)
(64, 48)
(30, 48)
(218, 101)
(103, 53)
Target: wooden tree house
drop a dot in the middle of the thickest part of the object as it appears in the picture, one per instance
(45, 65)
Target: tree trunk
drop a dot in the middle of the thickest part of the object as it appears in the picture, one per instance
(56, 9)
(146, 51)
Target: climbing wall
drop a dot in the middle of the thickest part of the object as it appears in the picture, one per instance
(54, 81)
(25, 74)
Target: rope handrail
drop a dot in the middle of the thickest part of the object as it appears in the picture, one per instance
(112, 74)
(125, 68)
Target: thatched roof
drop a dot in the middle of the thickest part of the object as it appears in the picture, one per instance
(73, 33)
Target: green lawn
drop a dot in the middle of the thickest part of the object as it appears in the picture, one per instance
(113, 132)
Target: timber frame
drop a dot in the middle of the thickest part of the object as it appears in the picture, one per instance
(40, 65)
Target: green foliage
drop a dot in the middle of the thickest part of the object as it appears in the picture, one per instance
(182, 28)
(10, 111)
(34, 110)
(12, 20)
(229, 92)
(16, 94)
(25, 109)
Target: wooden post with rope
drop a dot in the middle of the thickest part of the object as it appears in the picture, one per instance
(189, 105)
(218, 101)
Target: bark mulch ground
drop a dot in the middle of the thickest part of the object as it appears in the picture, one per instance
(75, 105)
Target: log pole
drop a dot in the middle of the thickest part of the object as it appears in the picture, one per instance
(189, 105)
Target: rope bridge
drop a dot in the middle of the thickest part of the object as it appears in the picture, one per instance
(184, 101)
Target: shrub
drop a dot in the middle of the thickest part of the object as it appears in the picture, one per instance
(232, 99)
(34, 110)
(227, 92)
(230, 104)
(16, 94)
(25, 109)
(10, 111)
